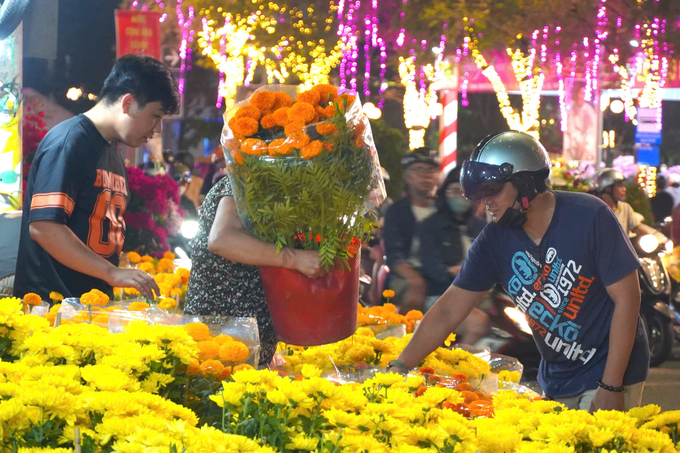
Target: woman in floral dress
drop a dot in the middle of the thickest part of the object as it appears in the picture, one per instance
(224, 278)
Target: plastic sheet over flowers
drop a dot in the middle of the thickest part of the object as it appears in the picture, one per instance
(303, 168)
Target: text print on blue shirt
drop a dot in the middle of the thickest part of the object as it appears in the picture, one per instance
(552, 296)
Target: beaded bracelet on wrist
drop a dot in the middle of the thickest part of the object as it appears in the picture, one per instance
(610, 388)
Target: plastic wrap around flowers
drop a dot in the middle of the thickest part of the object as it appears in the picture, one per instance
(303, 168)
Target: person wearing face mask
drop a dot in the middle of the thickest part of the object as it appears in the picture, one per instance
(568, 266)
(445, 238)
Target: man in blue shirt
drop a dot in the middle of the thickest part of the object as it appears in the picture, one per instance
(567, 264)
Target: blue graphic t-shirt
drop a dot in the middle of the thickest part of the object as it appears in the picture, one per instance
(560, 285)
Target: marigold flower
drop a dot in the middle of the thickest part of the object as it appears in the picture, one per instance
(414, 314)
(32, 299)
(281, 116)
(312, 150)
(310, 97)
(300, 141)
(294, 128)
(222, 338)
(302, 111)
(134, 257)
(149, 268)
(102, 319)
(391, 308)
(211, 368)
(463, 386)
(245, 127)
(233, 352)
(164, 264)
(268, 121)
(94, 297)
(282, 100)
(326, 112)
(248, 111)
(327, 92)
(194, 368)
(183, 274)
(198, 331)
(167, 303)
(169, 255)
(238, 157)
(344, 102)
(243, 366)
(138, 306)
(147, 259)
(280, 146)
(254, 147)
(426, 370)
(208, 350)
(231, 123)
(132, 291)
(326, 128)
(263, 100)
(225, 374)
(388, 293)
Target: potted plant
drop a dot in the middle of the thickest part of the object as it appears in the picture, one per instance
(303, 167)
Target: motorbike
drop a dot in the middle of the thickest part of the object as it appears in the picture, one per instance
(510, 333)
(655, 303)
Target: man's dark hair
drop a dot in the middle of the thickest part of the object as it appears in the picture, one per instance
(145, 78)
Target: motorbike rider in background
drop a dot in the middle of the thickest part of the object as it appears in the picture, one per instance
(567, 265)
(611, 190)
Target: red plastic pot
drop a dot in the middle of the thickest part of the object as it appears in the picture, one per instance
(310, 312)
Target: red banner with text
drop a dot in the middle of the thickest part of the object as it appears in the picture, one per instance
(138, 32)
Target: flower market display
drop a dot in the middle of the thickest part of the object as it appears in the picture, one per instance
(158, 388)
(152, 213)
(303, 167)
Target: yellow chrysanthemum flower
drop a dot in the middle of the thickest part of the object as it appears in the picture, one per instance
(302, 442)
(341, 419)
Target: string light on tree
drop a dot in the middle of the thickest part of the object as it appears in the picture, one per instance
(235, 45)
(419, 104)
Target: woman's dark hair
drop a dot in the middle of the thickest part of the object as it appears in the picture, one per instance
(145, 78)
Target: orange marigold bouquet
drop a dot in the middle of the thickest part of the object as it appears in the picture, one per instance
(303, 165)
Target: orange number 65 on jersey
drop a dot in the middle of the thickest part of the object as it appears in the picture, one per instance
(108, 209)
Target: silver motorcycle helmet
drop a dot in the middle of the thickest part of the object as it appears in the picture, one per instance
(607, 178)
(499, 158)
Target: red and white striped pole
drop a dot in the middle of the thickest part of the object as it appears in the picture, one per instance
(448, 130)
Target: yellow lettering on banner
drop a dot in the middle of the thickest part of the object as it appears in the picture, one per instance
(138, 19)
(141, 45)
(147, 32)
(132, 31)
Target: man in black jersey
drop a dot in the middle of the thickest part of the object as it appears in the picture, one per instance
(72, 229)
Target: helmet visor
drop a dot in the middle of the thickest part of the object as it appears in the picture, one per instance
(480, 180)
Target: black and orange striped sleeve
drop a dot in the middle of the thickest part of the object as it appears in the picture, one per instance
(54, 188)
